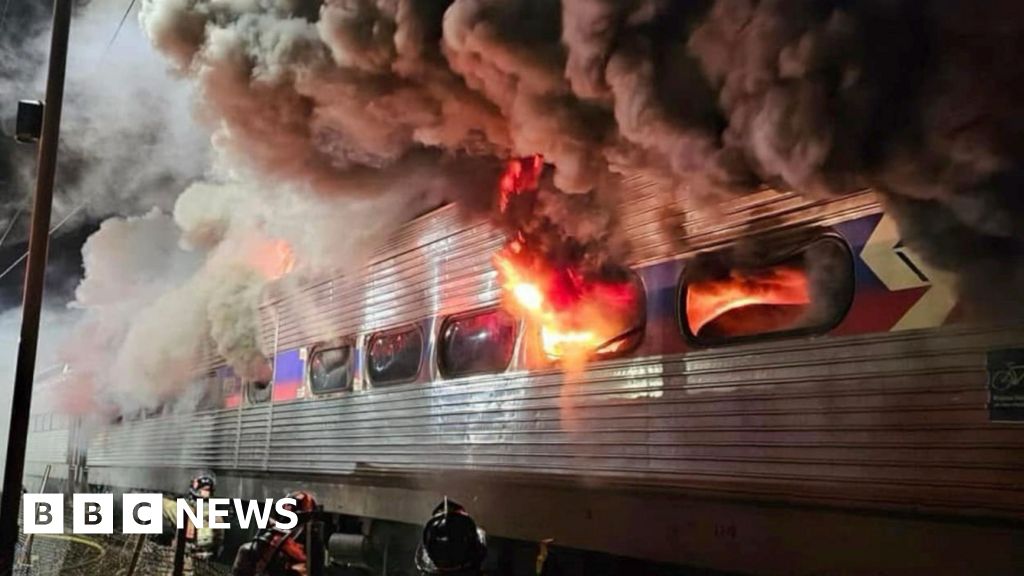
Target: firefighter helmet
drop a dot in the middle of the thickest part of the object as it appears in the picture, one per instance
(305, 505)
(203, 485)
(452, 543)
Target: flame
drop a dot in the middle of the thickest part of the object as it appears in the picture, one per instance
(576, 319)
(520, 175)
(272, 258)
(577, 316)
(714, 301)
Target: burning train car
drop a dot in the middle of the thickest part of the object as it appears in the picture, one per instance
(779, 387)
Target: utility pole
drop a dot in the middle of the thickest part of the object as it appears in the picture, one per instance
(33, 295)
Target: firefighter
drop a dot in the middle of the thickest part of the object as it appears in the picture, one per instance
(203, 543)
(275, 551)
(452, 543)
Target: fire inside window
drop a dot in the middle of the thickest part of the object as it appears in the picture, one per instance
(605, 320)
(808, 291)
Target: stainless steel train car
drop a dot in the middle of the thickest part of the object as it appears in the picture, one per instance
(54, 458)
(848, 428)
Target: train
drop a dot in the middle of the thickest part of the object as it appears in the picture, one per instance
(844, 426)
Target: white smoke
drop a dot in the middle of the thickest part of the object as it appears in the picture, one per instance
(129, 141)
(161, 292)
(56, 325)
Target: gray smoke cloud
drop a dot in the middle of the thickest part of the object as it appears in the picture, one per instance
(916, 99)
(197, 232)
(129, 143)
(128, 140)
(162, 290)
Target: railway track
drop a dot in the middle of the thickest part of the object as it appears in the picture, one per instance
(104, 555)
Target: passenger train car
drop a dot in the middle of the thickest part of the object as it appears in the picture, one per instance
(54, 457)
(841, 426)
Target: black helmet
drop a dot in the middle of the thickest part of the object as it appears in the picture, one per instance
(452, 543)
(203, 485)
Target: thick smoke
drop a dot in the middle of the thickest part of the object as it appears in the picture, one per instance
(128, 141)
(917, 99)
(130, 264)
(162, 290)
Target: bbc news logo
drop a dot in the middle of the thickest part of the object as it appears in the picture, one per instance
(143, 513)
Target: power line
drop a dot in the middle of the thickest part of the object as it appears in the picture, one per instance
(10, 225)
(120, 25)
(52, 230)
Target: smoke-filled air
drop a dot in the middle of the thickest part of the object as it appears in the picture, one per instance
(917, 100)
(333, 121)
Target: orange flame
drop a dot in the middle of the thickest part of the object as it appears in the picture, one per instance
(723, 300)
(577, 317)
(272, 258)
(519, 176)
(574, 321)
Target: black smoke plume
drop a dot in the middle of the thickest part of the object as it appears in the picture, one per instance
(918, 99)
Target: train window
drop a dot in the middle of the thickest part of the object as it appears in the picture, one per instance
(259, 387)
(477, 343)
(210, 393)
(330, 369)
(606, 322)
(257, 391)
(725, 298)
(232, 386)
(394, 357)
(628, 311)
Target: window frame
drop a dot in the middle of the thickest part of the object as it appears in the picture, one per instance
(213, 387)
(411, 327)
(247, 389)
(536, 348)
(332, 345)
(446, 322)
(815, 330)
(226, 385)
(640, 329)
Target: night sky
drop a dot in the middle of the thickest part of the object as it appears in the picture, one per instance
(64, 267)
(24, 20)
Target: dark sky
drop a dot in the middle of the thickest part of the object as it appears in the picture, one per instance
(64, 267)
(24, 20)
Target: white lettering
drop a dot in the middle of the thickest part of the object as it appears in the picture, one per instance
(253, 511)
(283, 509)
(219, 508)
(196, 516)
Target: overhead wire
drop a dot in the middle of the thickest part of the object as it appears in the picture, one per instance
(120, 25)
(10, 225)
(52, 230)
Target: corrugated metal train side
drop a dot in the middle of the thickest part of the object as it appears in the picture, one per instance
(868, 449)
